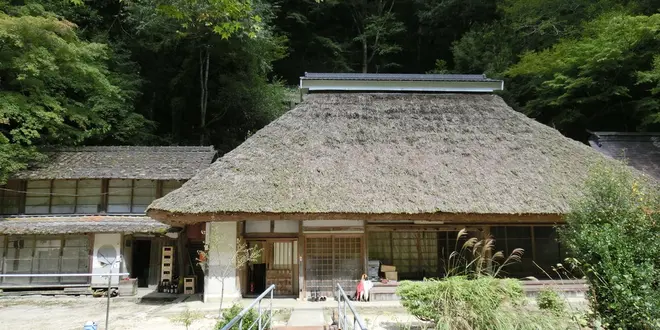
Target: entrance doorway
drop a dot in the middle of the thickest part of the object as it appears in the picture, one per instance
(277, 264)
(141, 260)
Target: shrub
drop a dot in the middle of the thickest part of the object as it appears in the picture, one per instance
(482, 303)
(249, 318)
(612, 232)
(187, 318)
(548, 299)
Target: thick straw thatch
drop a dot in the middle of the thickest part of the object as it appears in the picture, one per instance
(74, 224)
(396, 154)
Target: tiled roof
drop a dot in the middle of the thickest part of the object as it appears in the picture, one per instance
(640, 150)
(131, 162)
(74, 224)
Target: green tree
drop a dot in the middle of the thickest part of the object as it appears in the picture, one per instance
(56, 89)
(612, 232)
(601, 80)
(200, 21)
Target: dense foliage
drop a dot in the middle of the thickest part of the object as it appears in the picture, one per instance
(612, 231)
(248, 319)
(484, 303)
(549, 299)
(214, 71)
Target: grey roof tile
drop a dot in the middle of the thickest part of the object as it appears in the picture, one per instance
(639, 150)
(130, 162)
(75, 224)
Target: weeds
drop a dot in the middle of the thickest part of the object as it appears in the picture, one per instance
(187, 318)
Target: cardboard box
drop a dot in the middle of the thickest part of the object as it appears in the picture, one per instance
(386, 268)
(392, 276)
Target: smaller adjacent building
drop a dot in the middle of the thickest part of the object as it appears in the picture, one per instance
(83, 211)
(639, 150)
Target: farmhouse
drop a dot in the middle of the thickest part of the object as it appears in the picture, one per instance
(83, 211)
(382, 167)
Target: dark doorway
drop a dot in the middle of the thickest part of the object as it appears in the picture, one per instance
(141, 252)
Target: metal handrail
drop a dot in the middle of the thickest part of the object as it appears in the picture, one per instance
(261, 325)
(358, 323)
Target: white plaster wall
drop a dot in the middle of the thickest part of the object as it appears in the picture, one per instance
(221, 237)
(99, 266)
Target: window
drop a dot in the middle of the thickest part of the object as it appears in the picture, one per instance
(170, 186)
(10, 197)
(44, 255)
(119, 196)
(547, 250)
(63, 198)
(413, 253)
(75, 258)
(144, 192)
(18, 259)
(89, 197)
(81, 196)
(130, 196)
(37, 197)
(46, 258)
(540, 245)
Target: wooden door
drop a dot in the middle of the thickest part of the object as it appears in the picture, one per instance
(276, 265)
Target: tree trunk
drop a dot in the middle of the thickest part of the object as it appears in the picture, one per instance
(365, 55)
(222, 294)
(204, 59)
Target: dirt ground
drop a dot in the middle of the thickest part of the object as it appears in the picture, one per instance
(71, 314)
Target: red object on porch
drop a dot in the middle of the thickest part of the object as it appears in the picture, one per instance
(251, 287)
(359, 290)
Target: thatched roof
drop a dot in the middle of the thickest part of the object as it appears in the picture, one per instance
(639, 150)
(133, 162)
(389, 156)
(74, 224)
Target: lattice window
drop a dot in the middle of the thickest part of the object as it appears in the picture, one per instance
(331, 260)
(318, 276)
(414, 254)
(347, 261)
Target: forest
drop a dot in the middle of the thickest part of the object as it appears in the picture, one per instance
(190, 72)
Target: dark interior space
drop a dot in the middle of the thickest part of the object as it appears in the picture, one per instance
(141, 252)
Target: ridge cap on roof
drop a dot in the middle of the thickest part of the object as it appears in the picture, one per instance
(397, 76)
(128, 148)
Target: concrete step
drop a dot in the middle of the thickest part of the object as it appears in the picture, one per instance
(301, 328)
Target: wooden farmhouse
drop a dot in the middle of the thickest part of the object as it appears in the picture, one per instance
(387, 168)
(83, 211)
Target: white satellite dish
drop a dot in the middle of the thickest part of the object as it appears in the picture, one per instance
(106, 255)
